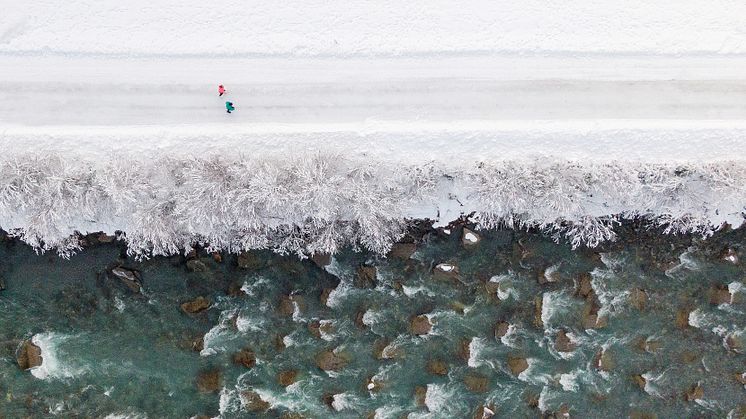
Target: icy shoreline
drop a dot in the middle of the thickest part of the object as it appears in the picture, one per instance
(321, 202)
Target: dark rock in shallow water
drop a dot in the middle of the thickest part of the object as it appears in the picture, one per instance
(249, 260)
(729, 255)
(469, 238)
(129, 277)
(245, 357)
(29, 355)
(501, 329)
(464, 349)
(583, 285)
(638, 298)
(235, 289)
(603, 360)
(366, 277)
(437, 367)
(402, 251)
(198, 344)
(253, 402)
(195, 306)
(446, 272)
(719, 294)
(328, 360)
(287, 377)
(289, 303)
(208, 381)
(2, 284)
(196, 265)
(324, 298)
(420, 325)
(420, 393)
(682, 318)
(538, 306)
(517, 364)
(321, 259)
(562, 342)
(696, 392)
(640, 381)
(476, 383)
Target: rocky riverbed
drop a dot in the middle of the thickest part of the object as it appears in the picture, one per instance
(455, 322)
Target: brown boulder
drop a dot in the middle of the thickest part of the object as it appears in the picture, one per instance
(591, 318)
(603, 360)
(562, 342)
(29, 355)
(366, 277)
(719, 294)
(252, 402)
(437, 367)
(517, 365)
(198, 344)
(682, 318)
(208, 381)
(734, 343)
(695, 392)
(638, 298)
(640, 381)
(476, 383)
(420, 393)
(287, 377)
(501, 329)
(328, 360)
(445, 272)
(325, 295)
(245, 357)
(195, 306)
(196, 265)
(538, 303)
(402, 251)
(583, 287)
(420, 325)
(321, 259)
(740, 377)
(288, 304)
(464, 349)
(248, 260)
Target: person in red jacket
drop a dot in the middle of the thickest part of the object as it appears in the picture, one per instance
(221, 90)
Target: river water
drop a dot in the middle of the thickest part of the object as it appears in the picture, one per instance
(648, 326)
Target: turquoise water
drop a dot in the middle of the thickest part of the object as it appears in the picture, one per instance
(110, 351)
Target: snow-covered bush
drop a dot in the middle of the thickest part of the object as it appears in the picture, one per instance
(322, 202)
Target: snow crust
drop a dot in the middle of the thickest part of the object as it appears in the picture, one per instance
(360, 27)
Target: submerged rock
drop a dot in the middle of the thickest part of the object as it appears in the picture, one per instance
(402, 251)
(563, 343)
(719, 294)
(420, 394)
(129, 277)
(517, 364)
(420, 325)
(469, 238)
(476, 383)
(196, 265)
(2, 284)
(501, 329)
(437, 367)
(287, 377)
(253, 402)
(638, 298)
(245, 357)
(321, 259)
(29, 355)
(328, 360)
(366, 277)
(640, 381)
(682, 318)
(209, 381)
(248, 260)
(695, 392)
(583, 286)
(197, 305)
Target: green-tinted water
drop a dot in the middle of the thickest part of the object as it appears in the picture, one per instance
(628, 330)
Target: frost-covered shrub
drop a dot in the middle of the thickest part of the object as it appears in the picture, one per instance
(322, 202)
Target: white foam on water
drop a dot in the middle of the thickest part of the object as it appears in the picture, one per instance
(338, 294)
(554, 303)
(734, 287)
(411, 291)
(533, 375)
(652, 383)
(371, 317)
(246, 324)
(477, 347)
(345, 401)
(505, 287)
(511, 336)
(119, 304)
(439, 397)
(322, 330)
(214, 338)
(686, 264)
(250, 288)
(125, 415)
(569, 381)
(52, 367)
(230, 402)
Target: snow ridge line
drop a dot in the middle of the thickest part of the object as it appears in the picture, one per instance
(325, 201)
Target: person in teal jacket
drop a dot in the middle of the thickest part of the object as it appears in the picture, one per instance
(229, 107)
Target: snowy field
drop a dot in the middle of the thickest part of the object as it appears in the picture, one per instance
(353, 116)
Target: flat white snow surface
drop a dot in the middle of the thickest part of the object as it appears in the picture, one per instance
(354, 116)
